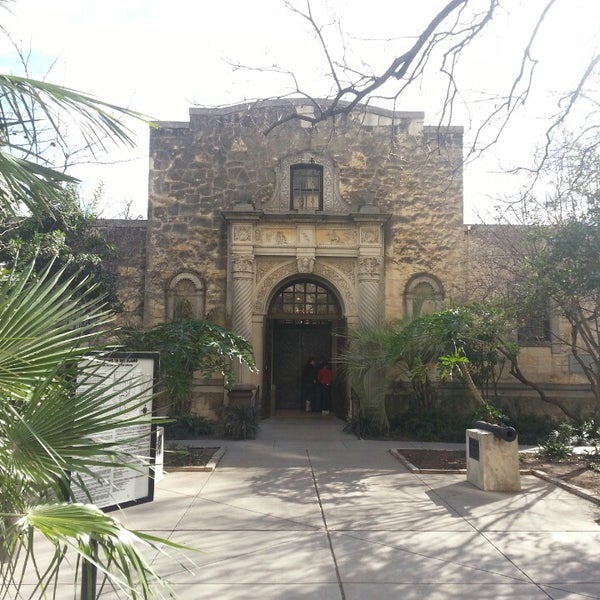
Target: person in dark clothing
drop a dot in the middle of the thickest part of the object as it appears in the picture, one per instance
(325, 378)
(309, 385)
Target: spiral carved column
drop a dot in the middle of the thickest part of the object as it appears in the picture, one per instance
(369, 291)
(242, 268)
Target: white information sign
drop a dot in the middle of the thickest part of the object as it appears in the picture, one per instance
(131, 375)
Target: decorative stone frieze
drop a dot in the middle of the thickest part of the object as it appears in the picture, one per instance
(336, 237)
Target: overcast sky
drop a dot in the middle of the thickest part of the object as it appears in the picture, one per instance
(161, 57)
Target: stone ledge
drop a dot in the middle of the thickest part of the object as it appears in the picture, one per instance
(569, 487)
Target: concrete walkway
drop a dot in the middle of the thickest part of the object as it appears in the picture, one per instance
(308, 512)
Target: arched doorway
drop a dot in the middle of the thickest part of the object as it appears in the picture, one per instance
(304, 320)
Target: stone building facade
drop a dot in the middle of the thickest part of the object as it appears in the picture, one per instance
(294, 237)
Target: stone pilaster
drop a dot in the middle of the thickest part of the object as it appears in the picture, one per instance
(242, 271)
(370, 305)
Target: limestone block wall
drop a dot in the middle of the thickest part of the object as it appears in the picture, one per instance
(129, 239)
(389, 161)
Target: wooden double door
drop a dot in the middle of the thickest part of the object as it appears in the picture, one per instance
(292, 346)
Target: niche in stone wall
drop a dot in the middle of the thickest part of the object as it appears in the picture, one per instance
(424, 294)
(186, 295)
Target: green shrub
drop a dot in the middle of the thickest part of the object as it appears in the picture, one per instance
(587, 433)
(558, 442)
(434, 425)
(189, 427)
(240, 422)
(531, 428)
(365, 426)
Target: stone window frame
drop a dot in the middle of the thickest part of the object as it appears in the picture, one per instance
(332, 200)
(412, 297)
(318, 170)
(197, 298)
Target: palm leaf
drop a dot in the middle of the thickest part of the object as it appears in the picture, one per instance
(58, 417)
(39, 330)
(31, 110)
(93, 536)
(60, 430)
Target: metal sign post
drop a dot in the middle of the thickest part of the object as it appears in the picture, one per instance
(133, 374)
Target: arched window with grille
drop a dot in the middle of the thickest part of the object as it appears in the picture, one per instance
(304, 299)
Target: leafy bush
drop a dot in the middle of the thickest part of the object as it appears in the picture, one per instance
(240, 422)
(187, 427)
(445, 422)
(587, 433)
(531, 428)
(558, 443)
(187, 346)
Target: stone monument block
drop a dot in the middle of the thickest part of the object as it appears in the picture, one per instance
(492, 463)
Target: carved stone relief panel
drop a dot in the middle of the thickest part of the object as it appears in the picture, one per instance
(242, 233)
(334, 271)
(370, 236)
(336, 237)
(306, 264)
(275, 236)
(264, 265)
(306, 236)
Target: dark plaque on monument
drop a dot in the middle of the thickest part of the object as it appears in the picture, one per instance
(474, 448)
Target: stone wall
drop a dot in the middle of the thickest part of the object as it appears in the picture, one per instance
(491, 252)
(129, 239)
(222, 156)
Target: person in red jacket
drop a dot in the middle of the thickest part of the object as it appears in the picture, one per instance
(325, 377)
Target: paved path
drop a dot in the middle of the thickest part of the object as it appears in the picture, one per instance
(309, 512)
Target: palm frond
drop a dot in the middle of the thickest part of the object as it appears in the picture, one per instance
(39, 330)
(31, 110)
(94, 537)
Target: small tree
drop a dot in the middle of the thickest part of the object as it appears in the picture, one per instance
(64, 236)
(367, 363)
(552, 267)
(454, 340)
(187, 346)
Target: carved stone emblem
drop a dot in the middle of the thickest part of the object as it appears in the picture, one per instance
(306, 264)
(242, 234)
(370, 236)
